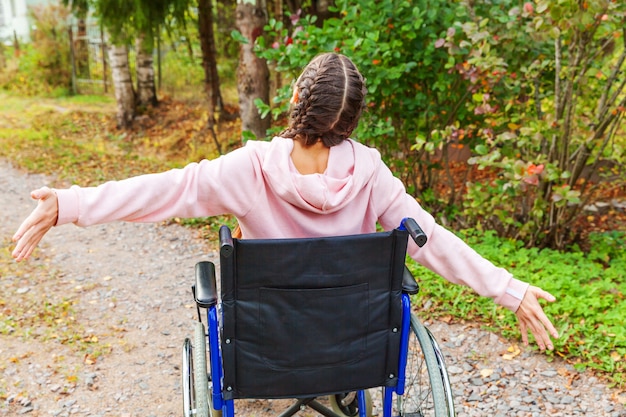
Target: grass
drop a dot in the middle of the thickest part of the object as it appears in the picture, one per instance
(76, 141)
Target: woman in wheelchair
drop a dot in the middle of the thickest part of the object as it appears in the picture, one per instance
(310, 181)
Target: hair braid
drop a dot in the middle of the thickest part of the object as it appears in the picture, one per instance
(331, 97)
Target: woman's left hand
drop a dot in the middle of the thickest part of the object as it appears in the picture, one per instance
(532, 318)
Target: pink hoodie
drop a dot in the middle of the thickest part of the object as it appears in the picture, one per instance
(259, 185)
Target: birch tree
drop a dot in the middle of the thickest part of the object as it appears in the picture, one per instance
(209, 64)
(146, 88)
(123, 85)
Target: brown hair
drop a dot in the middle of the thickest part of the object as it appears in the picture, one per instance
(330, 96)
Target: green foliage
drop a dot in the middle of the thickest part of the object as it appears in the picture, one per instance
(182, 74)
(410, 91)
(589, 288)
(41, 67)
(542, 119)
(544, 80)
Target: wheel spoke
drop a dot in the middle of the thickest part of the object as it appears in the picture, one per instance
(426, 388)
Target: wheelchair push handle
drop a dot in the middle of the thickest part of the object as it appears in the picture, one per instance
(414, 229)
(226, 242)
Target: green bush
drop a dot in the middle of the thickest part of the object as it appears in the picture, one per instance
(545, 81)
(410, 92)
(488, 76)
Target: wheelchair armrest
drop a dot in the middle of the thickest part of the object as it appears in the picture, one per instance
(206, 286)
(409, 284)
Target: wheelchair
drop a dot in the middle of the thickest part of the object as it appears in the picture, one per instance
(322, 321)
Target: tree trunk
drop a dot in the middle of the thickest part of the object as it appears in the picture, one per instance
(320, 9)
(146, 90)
(252, 73)
(81, 50)
(2, 60)
(123, 85)
(209, 59)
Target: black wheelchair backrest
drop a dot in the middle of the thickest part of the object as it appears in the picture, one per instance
(308, 317)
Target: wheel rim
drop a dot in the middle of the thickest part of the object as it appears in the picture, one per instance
(201, 384)
(427, 392)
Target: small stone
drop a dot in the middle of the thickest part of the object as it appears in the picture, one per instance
(474, 397)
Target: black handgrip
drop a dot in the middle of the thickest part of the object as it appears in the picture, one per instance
(415, 231)
(226, 242)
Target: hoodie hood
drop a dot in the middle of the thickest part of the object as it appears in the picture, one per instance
(350, 168)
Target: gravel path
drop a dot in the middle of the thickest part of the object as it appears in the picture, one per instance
(129, 285)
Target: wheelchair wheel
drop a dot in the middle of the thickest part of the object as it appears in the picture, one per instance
(347, 404)
(187, 379)
(427, 392)
(201, 381)
(196, 387)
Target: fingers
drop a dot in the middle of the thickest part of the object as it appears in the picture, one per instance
(21, 253)
(532, 318)
(40, 194)
(524, 330)
(26, 225)
(539, 293)
(545, 321)
(541, 336)
(37, 224)
(26, 242)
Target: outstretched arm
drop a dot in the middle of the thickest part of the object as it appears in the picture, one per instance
(532, 318)
(33, 229)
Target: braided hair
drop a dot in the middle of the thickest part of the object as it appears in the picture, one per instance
(328, 101)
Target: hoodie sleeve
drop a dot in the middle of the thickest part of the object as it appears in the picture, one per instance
(444, 253)
(197, 190)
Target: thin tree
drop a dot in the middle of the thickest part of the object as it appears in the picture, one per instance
(146, 88)
(125, 96)
(252, 72)
(115, 17)
(209, 64)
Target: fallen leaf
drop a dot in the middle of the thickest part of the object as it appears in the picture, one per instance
(89, 360)
(513, 350)
(446, 319)
(562, 371)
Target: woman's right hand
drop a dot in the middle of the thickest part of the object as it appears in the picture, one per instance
(33, 229)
